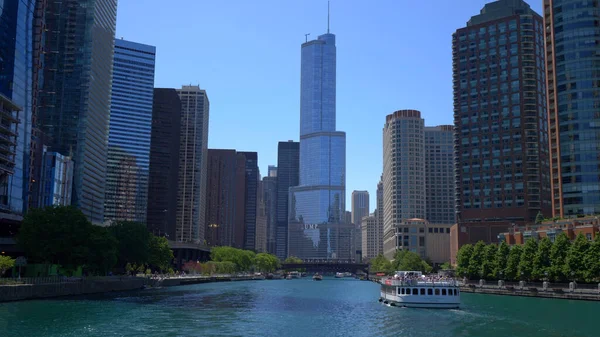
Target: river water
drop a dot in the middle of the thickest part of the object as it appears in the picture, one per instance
(290, 308)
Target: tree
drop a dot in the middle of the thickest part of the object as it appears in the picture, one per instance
(293, 260)
(160, 254)
(592, 260)
(6, 263)
(243, 259)
(489, 261)
(558, 256)
(463, 260)
(266, 262)
(380, 264)
(57, 235)
(541, 261)
(525, 268)
(407, 261)
(512, 264)
(575, 260)
(539, 218)
(134, 242)
(477, 260)
(103, 251)
(501, 260)
(446, 266)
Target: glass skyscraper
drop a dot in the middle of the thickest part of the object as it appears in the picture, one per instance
(128, 162)
(288, 166)
(573, 71)
(16, 75)
(74, 100)
(317, 206)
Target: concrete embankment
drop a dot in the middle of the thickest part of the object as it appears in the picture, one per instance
(558, 293)
(53, 287)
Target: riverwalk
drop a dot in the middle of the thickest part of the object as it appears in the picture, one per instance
(570, 291)
(49, 287)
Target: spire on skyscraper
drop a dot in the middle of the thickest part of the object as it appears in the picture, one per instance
(327, 17)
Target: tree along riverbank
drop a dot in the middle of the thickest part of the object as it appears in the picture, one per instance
(571, 291)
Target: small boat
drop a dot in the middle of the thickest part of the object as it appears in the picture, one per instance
(288, 277)
(317, 277)
(412, 289)
(347, 274)
(339, 275)
(294, 274)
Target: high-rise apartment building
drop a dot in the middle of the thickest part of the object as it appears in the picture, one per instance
(317, 205)
(163, 186)
(379, 216)
(571, 33)
(288, 161)
(193, 150)
(360, 206)
(403, 173)
(439, 174)
(369, 236)
(74, 100)
(251, 203)
(128, 162)
(501, 138)
(270, 198)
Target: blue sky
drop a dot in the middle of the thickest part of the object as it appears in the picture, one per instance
(391, 55)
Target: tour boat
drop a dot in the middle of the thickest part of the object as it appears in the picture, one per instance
(294, 274)
(318, 277)
(412, 289)
(339, 275)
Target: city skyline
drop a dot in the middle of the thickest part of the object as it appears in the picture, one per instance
(429, 74)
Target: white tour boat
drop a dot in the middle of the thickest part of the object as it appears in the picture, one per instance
(294, 274)
(412, 289)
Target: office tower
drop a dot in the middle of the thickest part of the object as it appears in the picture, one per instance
(360, 209)
(251, 192)
(379, 216)
(403, 173)
(16, 96)
(225, 178)
(261, 220)
(163, 186)
(317, 205)
(439, 174)
(347, 217)
(193, 150)
(75, 96)
(288, 160)
(56, 179)
(270, 198)
(369, 236)
(239, 231)
(128, 161)
(501, 139)
(571, 35)
(272, 171)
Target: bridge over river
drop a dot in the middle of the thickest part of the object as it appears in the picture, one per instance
(328, 267)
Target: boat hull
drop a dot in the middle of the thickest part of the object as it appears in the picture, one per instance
(420, 304)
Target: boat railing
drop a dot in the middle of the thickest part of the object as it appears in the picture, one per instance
(420, 283)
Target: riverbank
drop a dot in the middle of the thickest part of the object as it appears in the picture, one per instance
(50, 287)
(566, 292)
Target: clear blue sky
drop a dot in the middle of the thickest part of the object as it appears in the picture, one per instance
(391, 55)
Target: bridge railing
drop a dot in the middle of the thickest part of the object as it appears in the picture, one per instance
(423, 283)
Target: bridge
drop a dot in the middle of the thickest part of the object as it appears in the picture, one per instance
(327, 267)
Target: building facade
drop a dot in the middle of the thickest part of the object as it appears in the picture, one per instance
(573, 72)
(360, 209)
(269, 185)
(193, 150)
(379, 216)
(317, 205)
(56, 180)
(163, 186)
(251, 203)
(288, 166)
(501, 138)
(403, 173)
(75, 96)
(439, 174)
(128, 162)
(272, 171)
(261, 220)
(369, 236)
(588, 226)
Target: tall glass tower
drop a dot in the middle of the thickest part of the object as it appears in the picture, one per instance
(317, 206)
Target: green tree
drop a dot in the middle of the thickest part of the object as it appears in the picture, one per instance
(501, 260)
(558, 256)
(512, 263)
(160, 254)
(463, 260)
(592, 260)
(380, 264)
(539, 218)
(266, 262)
(525, 268)
(243, 259)
(134, 242)
(541, 261)
(489, 261)
(477, 260)
(57, 235)
(103, 251)
(293, 259)
(6, 263)
(575, 261)
(409, 261)
(446, 266)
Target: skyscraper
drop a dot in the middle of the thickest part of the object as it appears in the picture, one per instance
(369, 244)
(128, 161)
(571, 35)
(317, 205)
(251, 204)
(288, 161)
(379, 217)
(193, 150)
(74, 101)
(439, 174)
(16, 95)
(272, 171)
(360, 209)
(261, 219)
(270, 199)
(163, 187)
(501, 138)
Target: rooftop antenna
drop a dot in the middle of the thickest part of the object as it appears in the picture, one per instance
(327, 17)
(306, 36)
